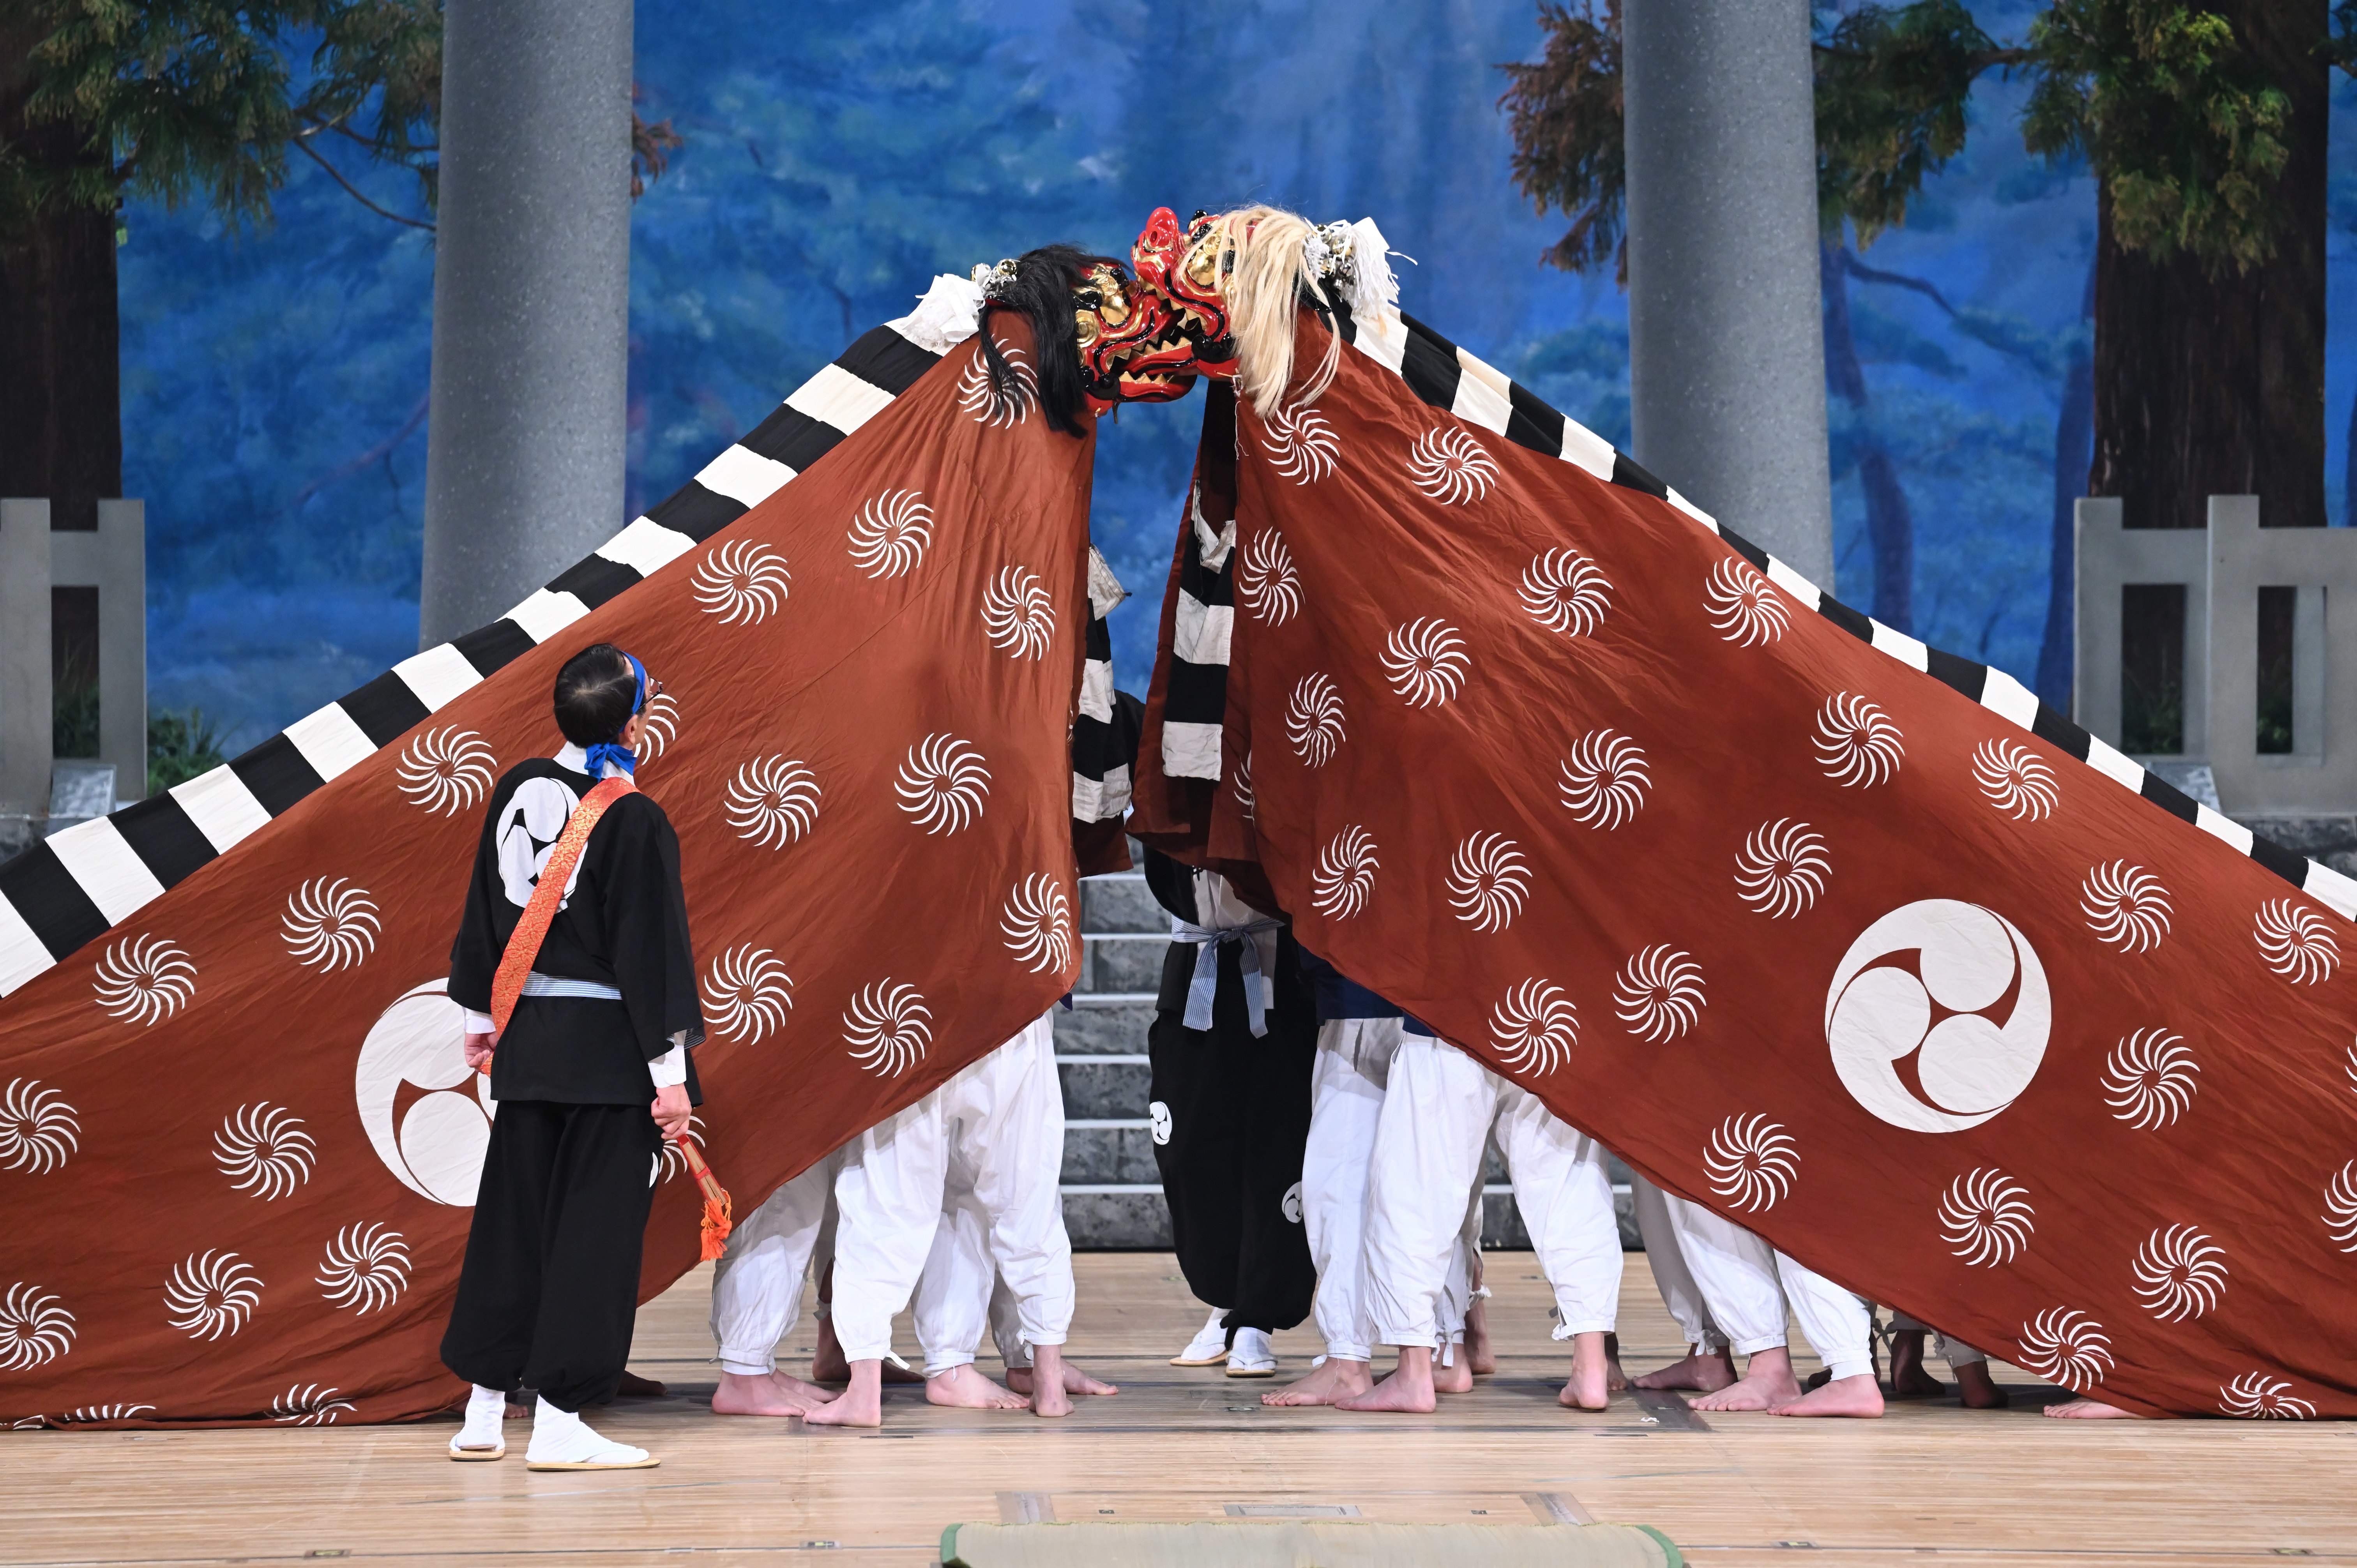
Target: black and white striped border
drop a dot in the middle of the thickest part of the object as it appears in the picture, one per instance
(76, 885)
(1446, 377)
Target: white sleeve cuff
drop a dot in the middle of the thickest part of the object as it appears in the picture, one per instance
(477, 1023)
(670, 1068)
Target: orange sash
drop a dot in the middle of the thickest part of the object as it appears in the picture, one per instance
(523, 947)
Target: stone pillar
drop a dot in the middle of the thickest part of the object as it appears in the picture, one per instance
(114, 560)
(523, 458)
(24, 671)
(1725, 338)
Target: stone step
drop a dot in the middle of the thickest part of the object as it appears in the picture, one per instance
(1115, 1149)
(1125, 961)
(1105, 1023)
(1097, 1087)
(1121, 903)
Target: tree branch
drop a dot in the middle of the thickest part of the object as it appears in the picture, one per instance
(1923, 286)
(352, 191)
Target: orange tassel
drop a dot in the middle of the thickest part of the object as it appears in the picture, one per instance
(719, 1210)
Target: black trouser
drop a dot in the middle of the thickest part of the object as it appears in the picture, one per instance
(1238, 1112)
(550, 1291)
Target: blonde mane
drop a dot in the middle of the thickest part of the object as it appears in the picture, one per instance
(1262, 286)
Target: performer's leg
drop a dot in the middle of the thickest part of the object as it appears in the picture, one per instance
(1975, 1390)
(1428, 1142)
(1567, 1202)
(889, 1203)
(1016, 1152)
(1198, 1158)
(1708, 1365)
(1452, 1369)
(1480, 1359)
(952, 1306)
(599, 1195)
(1736, 1273)
(1276, 1279)
(1840, 1327)
(1346, 1097)
(498, 1301)
(756, 1296)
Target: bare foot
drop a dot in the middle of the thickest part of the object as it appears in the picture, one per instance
(1588, 1387)
(1075, 1382)
(861, 1404)
(1335, 1380)
(1766, 1383)
(1858, 1396)
(1616, 1381)
(1408, 1391)
(1479, 1353)
(2086, 1410)
(1977, 1389)
(1909, 1380)
(1454, 1376)
(1048, 1395)
(962, 1388)
(1708, 1373)
(634, 1386)
(773, 1394)
(828, 1365)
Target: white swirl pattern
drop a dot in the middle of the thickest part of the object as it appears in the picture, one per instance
(942, 785)
(741, 581)
(1243, 786)
(331, 925)
(1742, 604)
(1301, 445)
(2125, 906)
(211, 1294)
(2254, 1396)
(999, 405)
(1659, 993)
(309, 1404)
(2065, 1346)
(890, 534)
(1425, 661)
(1751, 1162)
(445, 771)
(366, 1268)
(145, 980)
(2180, 1273)
(2340, 1206)
(1986, 1218)
(2296, 942)
(1345, 876)
(1313, 719)
(1487, 880)
(658, 727)
(38, 1130)
(1605, 779)
(263, 1150)
(1855, 742)
(1265, 578)
(1036, 923)
(1564, 592)
(747, 994)
(2015, 780)
(1017, 616)
(1536, 1027)
(888, 1028)
(35, 1329)
(773, 801)
(2148, 1078)
(1449, 466)
(1782, 868)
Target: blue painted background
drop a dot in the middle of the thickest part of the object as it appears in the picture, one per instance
(841, 152)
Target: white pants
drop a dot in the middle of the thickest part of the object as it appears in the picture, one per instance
(961, 1292)
(1956, 1352)
(995, 1133)
(1676, 1283)
(1747, 1285)
(1436, 1122)
(757, 1287)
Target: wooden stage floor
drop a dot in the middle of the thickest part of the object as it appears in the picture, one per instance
(1926, 1484)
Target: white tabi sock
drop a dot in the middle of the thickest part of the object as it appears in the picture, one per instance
(1252, 1352)
(561, 1437)
(486, 1408)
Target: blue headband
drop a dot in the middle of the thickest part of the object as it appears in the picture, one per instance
(614, 751)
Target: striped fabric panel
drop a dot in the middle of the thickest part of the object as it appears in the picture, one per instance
(1196, 701)
(1101, 749)
(1445, 376)
(70, 888)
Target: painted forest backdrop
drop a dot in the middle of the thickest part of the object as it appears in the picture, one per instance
(836, 153)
